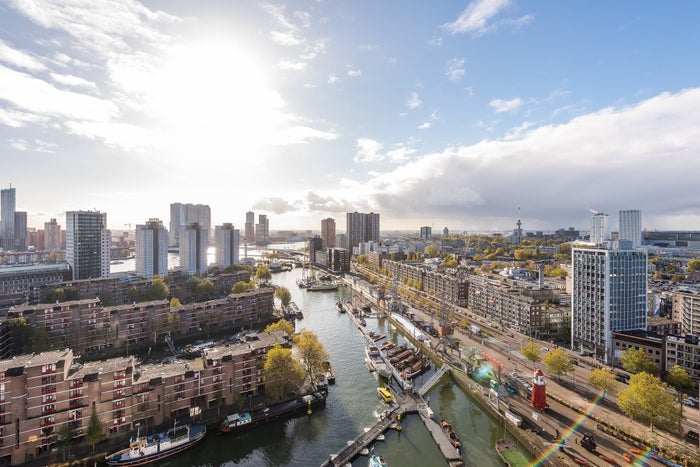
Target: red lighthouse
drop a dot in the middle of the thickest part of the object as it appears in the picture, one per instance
(539, 391)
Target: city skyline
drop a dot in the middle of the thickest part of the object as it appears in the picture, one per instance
(466, 115)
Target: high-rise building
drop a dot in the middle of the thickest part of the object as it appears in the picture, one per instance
(262, 230)
(250, 226)
(152, 249)
(631, 226)
(328, 232)
(445, 232)
(193, 249)
(7, 218)
(182, 215)
(52, 235)
(426, 233)
(227, 241)
(362, 228)
(20, 230)
(87, 244)
(599, 228)
(609, 294)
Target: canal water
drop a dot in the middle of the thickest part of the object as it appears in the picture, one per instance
(352, 405)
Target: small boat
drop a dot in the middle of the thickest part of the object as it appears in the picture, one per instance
(364, 452)
(146, 449)
(385, 395)
(380, 437)
(609, 460)
(510, 454)
(377, 461)
(300, 315)
(321, 287)
(582, 462)
(328, 370)
(636, 451)
(451, 435)
(627, 457)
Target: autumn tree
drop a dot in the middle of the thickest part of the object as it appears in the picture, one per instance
(431, 251)
(679, 378)
(558, 362)
(637, 361)
(648, 400)
(531, 352)
(311, 352)
(158, 290)
(94, 430)
(283, 373)
(263, 274)
(694, 265)
(281, 325)
(175, 302)
(240, 287)
(603, 379)
(283, 295)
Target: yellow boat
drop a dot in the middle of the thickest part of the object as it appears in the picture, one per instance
(385, 394)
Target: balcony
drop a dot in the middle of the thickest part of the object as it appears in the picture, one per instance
(48, 410)
(75, 384)
(119, 384)
(75, 394)
(48, 371)
(118, 405)
(50, 389)
(47, 422)
(75, 403)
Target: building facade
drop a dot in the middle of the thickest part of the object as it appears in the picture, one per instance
(339, 259)
(20, 234)
(227, 241)
(600, 230)
(631, 226)
(184, 214)
(250, 227)
(193, 249)
(609, 294)
(8, 204)
(87, 244)
(361, 228)
(52, 235)
(262, 230)
(151, 249)
(426, 233)
(328, 232)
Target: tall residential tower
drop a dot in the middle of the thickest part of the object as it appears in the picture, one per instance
(7, 218)
(328, 232)
(193, 249)
(362, 228)
(631, 226)
(227, 241)
(151, 249)
(87, 244)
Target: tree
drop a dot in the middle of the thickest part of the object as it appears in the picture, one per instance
(94, 430)
(283, 373)
(175, 302)
(531, 352)
(41, 340)
(206, 288)
(133, 294)
(240, 287)
(603, 379)
(283, 295)
(21, 335)
(64, 439)
(558, 362)
(158, 290)
(679, 378)
(263, 274)
(281, 325)
(107, 298)
(694, 265)
(637, 360)
(311, 351)
(647, 399)
(431, 250)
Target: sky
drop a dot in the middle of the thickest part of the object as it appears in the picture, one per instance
(460, 114)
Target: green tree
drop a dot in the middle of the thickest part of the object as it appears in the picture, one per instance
(531, 351)
(679, 378)
(283, 373)
(64, 439)
(431, 251)
(283, 295)
(206, 288)
(558, 362)
(311, 352)
(263, 274)
(41, 340)
(281, 325)
(158, 290)
(107, 298)
(603, 379)
(648, 400)
(94, 430)
(637, 360)
(133, 294)
(694, 265)
(240, 287)
(21, 332)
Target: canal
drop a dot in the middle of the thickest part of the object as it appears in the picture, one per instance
(351, 406)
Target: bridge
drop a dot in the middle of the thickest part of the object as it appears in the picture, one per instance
(433, 380)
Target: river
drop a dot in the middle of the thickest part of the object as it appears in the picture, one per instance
(352, 405)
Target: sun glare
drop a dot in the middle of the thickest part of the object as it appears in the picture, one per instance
(210, 92)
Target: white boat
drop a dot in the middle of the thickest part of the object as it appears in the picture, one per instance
(376, 362)
(146, 449)
(377, 461)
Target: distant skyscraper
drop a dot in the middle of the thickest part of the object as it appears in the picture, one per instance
(193, 249)
(362, 228)
(7, 217)
(182, 215)
(262, 230)
(250, 226)
(227, 241)
(631, 226)
(52, 235)
(87, 244)
(20, 230)
(341, 240)
(609, 294)
(426, 233)
(151, 249)
(328, 232)
(445, 232)
(599, 228)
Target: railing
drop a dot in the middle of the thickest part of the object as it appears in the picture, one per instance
(75, 403)
(48, 389)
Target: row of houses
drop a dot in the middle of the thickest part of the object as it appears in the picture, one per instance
(40, 393)
(86, 325)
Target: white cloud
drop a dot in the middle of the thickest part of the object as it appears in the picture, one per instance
(18, 119)
(19, 144)
(286, 33)
(332, 79)
(368, 150)
(19, 59)
(455, 69)
(500, 105)
(286, 38)
(45, 146)
(476, 16)
(435, 42)
(400, 153)
(294, 66)
(354, 72)
(74, 81)
(425, 126)
(414, 101)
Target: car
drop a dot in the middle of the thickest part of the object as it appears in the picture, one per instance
(545, 349)
(510, 334)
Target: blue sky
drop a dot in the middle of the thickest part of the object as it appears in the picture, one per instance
(465, 114)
